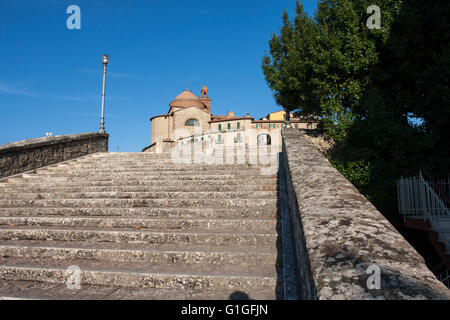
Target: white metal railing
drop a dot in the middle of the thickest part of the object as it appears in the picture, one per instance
(418, 199)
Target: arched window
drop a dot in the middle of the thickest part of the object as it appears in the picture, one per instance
(192, 123)
(264, 139)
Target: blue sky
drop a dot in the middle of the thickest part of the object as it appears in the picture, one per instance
(50, 77)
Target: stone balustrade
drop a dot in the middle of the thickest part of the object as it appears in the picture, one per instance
(342, 240)
(30, 154)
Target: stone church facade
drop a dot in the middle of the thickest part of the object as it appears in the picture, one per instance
(190, 120)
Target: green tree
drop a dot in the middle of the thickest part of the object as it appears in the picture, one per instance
(289, 67)
(382, 94)
(322, 65)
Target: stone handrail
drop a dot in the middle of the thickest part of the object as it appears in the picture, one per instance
(30, 154)
(341, 239)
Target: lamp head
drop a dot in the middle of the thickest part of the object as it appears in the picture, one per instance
(105, 59)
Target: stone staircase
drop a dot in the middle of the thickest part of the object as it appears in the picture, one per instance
(140, 227)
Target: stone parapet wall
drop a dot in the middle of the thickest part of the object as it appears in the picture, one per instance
(30, 154)
(339, 234)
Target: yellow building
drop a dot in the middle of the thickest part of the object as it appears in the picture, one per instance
(277, 115)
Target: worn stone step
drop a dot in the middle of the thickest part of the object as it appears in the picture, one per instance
(34, 290)
(194, 203)
(194, 288)
(265, 270)
(142, 253)
(142, 225)
(194, 159)
(215, 238)
(147, 171)
(7, 194)
(143, 174)
(201, 159)
(151, 167)
(181, 152)
(194, 184)
(134, 179)
(220, 224)
(252, 162)
(145, 275)
(192, 151)
(122, 169)
(203, 212)
(13, 187)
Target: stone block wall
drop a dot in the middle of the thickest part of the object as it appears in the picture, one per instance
(341, 239)
(30, 154)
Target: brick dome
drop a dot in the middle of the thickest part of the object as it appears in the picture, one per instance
(187, 99)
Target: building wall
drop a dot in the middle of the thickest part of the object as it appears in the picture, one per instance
(244, 124)
(160, 128)
(265, 125)
(168, 128)
(229, 138)
(278, 115)
(180, 118)
(303, 125)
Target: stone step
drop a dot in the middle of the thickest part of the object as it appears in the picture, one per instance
(14, 187)
(141, 225)
(188, 202)
(100, 167)
(150, 171)
(215, 238)
(182, 152)
(143, 253)
(261, 160)
(220, 224)
(141, 174)
(117, 178)
(34, 290)
(184, 158)
(146, 171)
(181, 157)
(203, 212)
(13, 195)
(190, 268)
(151, 166)
(143, 275)
(192, 184)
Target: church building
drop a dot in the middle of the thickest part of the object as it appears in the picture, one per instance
(190, 119)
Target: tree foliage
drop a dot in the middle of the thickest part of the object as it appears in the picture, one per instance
(383, 95)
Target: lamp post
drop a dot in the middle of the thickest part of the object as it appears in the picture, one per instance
(105, 60)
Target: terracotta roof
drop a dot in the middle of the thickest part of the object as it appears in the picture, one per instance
(171, 113)
(187, 99)
(230, 119)
(218, 117)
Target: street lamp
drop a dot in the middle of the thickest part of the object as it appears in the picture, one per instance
(105, 60)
